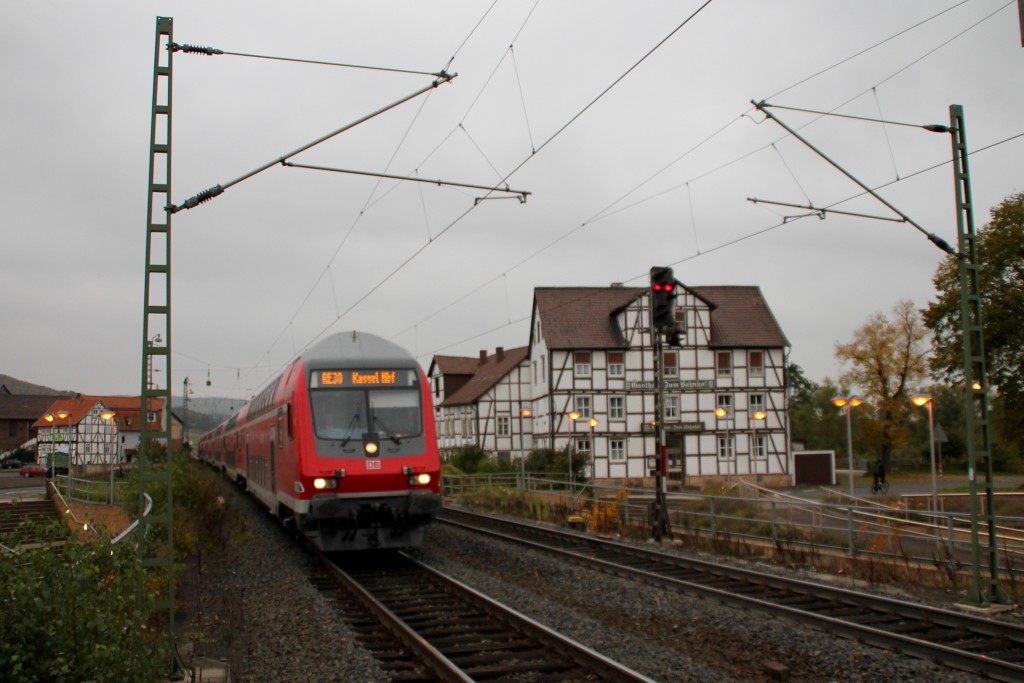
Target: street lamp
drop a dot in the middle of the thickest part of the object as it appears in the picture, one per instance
(108, 415)
(523, 412)
(593, 449)
(50, 417)
(722, 412)
(847, 403)
(920, 400)
(759, 415)
(573, 416)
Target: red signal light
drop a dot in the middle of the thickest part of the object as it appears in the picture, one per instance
(657, 286)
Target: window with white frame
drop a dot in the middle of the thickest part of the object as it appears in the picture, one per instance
(583, 445)
(756, 402)
(681, 319)
(756, 363)
(616, 407)
(671, 407)
(725, 402)
(759, 447)
(503, 425)
(582, 406)
(616, 450)
(726, 446)
(581, 363)
(671, 364)
(616, 364)
(723, 361)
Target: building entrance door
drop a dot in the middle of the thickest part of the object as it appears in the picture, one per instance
(675, 448)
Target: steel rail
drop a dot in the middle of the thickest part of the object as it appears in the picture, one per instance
(445, 669)
(489, 637)
(807, 600)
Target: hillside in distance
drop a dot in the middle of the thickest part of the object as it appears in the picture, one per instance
(205, 413)
(21, 387)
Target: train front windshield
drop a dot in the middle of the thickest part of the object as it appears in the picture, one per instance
(347, 404)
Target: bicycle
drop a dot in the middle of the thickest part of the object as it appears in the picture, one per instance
(880, 486)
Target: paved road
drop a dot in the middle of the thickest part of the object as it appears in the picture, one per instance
(921, 484)
(12, 485)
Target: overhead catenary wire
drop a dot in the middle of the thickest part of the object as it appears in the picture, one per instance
(607, 212)
(505, 177)
(216, 190)
(687, 185)
(210, 51)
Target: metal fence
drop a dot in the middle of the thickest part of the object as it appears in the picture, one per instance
(749, 513)
(91, 490)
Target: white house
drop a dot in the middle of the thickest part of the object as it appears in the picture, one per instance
(591, 355)
(484, 408)
(75, 428)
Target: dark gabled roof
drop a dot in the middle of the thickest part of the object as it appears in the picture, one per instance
(487, 374)
(456, 365)
(741, 317)
(582, 317)
(24, 406)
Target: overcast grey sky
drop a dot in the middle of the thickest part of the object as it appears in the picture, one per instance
(656, 171)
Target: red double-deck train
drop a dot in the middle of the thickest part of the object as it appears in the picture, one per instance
(342, 445)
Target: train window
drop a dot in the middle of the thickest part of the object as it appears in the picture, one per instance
(395, 413)
(339, 414)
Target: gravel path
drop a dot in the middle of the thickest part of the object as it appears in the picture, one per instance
(257, 610)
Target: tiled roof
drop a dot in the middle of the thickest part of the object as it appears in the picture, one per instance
(456, 365)
(487, 374)
(741, 317)
(582, 317)
(24, 406)
(79, 407)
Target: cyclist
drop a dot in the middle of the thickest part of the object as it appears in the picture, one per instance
(878, 471)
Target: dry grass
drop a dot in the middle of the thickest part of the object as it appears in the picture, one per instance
(110, 518)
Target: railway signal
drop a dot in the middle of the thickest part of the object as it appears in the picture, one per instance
(663, 299)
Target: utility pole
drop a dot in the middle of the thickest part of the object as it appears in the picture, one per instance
(982, 591)
(663, 304)
(156, 530)
(186, 390)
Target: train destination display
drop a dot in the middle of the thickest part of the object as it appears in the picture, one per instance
(363, 378)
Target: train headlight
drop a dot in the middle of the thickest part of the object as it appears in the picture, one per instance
(421, 479)
(325, 483)
(370, 445)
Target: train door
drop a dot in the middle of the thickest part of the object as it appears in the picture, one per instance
(273, 453)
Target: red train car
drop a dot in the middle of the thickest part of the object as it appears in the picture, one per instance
(342, 445)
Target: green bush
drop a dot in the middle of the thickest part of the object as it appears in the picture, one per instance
(68, 614)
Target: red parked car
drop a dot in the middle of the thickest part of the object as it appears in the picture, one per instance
(33, 470)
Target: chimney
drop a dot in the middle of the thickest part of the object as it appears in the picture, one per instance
(500, 353)
(483, 356)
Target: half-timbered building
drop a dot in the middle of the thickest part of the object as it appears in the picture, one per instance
(486, 410)
(592, 380)
(73, 430)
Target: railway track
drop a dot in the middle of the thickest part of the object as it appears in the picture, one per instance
(424, 626)
(966, 642)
